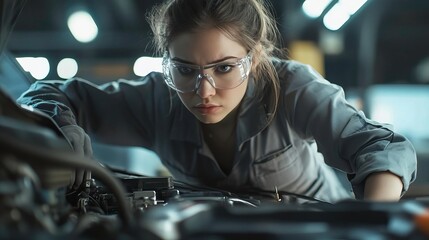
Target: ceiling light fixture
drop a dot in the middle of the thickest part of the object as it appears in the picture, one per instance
(314, 8)
(67, 68)
(145, 65)
(82, 26)
(341, 12)
(38, 67)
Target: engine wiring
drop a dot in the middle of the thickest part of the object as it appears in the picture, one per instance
(53, 157)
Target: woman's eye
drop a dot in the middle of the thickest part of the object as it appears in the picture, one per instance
(185, 70)
(224, 68)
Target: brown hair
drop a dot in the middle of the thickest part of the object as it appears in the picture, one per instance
(249, 22)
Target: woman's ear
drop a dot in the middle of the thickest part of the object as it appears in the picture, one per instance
(256, 56)
(255, 63)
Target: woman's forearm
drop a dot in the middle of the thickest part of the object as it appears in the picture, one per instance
(383, 186)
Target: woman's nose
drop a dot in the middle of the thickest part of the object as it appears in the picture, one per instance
(205, 88)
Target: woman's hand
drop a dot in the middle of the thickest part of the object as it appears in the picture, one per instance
(81, 144)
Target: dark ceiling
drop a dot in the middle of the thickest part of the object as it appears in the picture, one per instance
(384, 42)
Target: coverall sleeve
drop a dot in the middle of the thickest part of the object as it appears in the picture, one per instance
(348, 140)
(120, 112)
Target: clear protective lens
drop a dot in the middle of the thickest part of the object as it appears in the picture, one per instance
(187, 77)
(184, 76)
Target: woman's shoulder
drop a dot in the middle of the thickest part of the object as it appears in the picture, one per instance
(292, 68)
(293, 73)
(153, 81)
(150, 78)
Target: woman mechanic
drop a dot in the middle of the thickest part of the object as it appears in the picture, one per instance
(228, 112)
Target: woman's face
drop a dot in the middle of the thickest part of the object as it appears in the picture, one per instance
(208, 104)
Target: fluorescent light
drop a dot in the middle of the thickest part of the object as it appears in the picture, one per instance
(145, 65)
(82, 26)
(67, 68)
(314, 8)
(38, 67)
(341, 12)
(335, 18)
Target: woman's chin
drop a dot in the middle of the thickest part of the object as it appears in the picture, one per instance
(209, 119)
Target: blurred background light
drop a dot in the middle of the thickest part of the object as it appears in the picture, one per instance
(314, 8)
(332, 43)
(82, 26)
(336, 17)
(341, 12)
(38, 67)
(145, 65)
(67, 68)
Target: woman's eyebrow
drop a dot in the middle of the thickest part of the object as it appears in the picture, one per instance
(176, 59)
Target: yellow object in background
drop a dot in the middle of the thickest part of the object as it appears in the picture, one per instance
(308, 52)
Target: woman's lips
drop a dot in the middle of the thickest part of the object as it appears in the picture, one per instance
(207, 108)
